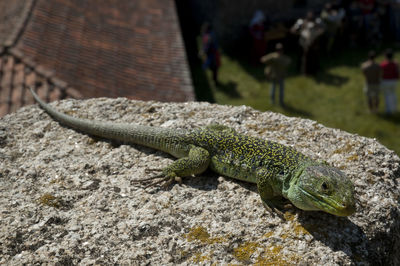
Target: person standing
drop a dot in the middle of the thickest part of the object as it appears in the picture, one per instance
(210, 52)
(390, 75)
(276, 69)
(372, 73)
(309, 31)
(257, 32)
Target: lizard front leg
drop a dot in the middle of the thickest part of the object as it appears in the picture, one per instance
(196, 162)
(271, 201)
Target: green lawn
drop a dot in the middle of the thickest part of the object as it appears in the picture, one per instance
(334, 97)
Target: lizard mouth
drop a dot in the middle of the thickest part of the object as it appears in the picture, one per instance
(329, 205)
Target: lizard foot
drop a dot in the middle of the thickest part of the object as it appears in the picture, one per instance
(277, 206)
(275, 210)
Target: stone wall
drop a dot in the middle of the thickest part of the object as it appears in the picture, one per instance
(68, 198)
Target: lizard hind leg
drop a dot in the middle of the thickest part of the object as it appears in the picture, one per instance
(196, 162)
(152, 181)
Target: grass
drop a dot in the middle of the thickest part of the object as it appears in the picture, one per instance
(333, 97)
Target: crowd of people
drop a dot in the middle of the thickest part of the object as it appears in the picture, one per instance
(339, 25)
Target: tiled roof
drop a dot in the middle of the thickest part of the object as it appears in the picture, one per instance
(13, 15)
(101, 48)
(111, 48)
(18, 74)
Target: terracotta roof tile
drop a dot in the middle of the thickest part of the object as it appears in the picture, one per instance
(111, 48)
(74, 48)
(17, 75)
(13, 15)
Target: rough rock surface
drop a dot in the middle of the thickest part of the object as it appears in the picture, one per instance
(68, 198)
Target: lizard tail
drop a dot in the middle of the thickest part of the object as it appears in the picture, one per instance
(153, 137)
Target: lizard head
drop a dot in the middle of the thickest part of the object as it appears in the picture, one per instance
(322, 188)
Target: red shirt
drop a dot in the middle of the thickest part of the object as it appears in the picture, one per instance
(390, 70)
(366, 6)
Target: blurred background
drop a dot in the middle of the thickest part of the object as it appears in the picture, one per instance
(323, 60)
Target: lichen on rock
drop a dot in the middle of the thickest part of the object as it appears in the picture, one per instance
(69, 198)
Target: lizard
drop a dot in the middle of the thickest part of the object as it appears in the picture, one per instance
(280, 172)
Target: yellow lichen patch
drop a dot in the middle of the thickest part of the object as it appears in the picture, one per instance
(244, 252)
(268, 234)
(184, 253)
(272, 256)
(284, 236)
(352, 158)
(289, 216)
(346, 149)
(219, 239)
(276, 249)
(298, 230)
(198, 257)
(50, 200)
(200, 233)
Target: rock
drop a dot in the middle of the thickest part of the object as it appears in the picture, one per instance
(69, 198)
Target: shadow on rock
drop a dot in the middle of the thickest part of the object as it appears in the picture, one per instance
(340, 234)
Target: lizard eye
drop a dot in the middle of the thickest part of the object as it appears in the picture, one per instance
(325, 187)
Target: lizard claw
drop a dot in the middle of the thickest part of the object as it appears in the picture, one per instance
(277, 206)
(150, 170)
(279, 213)
(275, 210)
(167, 179)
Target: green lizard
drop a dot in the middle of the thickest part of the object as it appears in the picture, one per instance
(277, 170)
